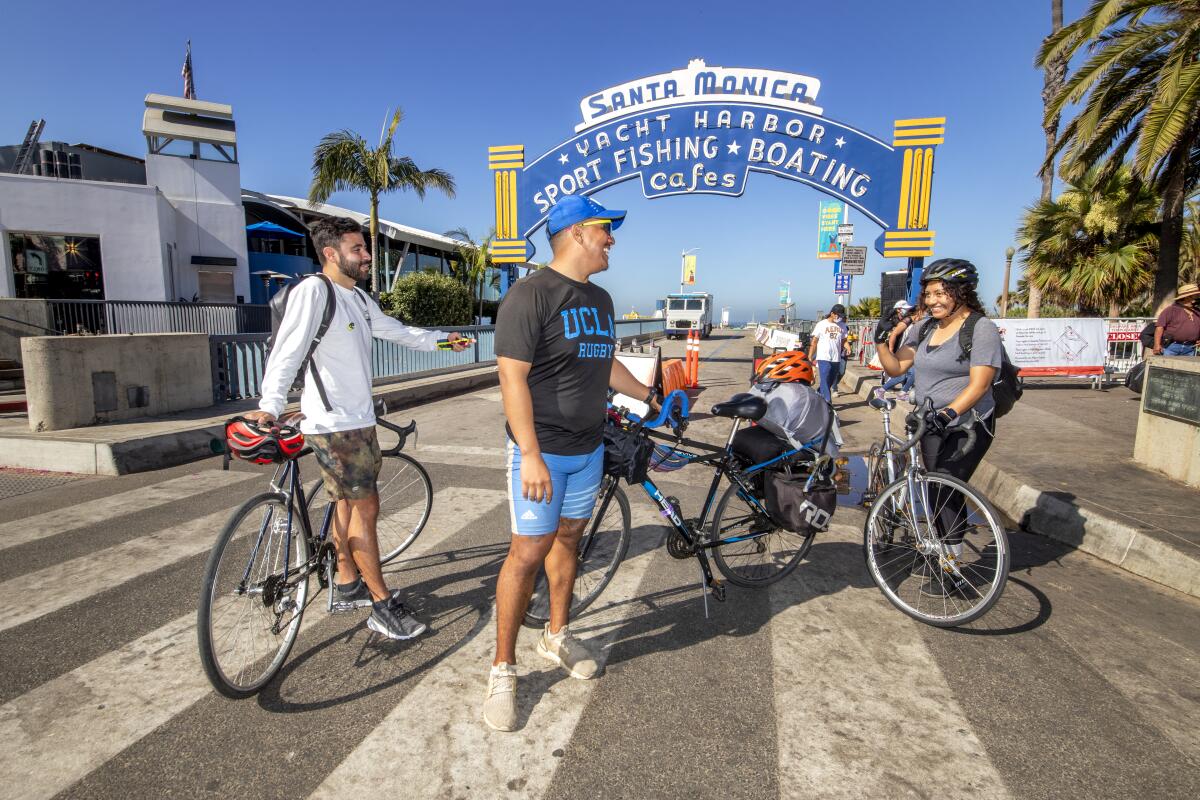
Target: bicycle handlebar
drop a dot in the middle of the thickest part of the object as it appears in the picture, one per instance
(961, 451)
(674, 411)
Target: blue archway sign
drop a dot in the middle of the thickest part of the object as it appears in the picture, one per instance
(702, 130)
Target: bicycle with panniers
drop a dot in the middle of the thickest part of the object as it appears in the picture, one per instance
(762, 526)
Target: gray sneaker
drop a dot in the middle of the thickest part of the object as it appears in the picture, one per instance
(500, 705)
(358, 597)
(569, 653)
(395, 621)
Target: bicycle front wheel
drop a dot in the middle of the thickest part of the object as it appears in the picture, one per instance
(762, 560)
(405, 500)
(940, 556)
(250, 609)
(601, 548)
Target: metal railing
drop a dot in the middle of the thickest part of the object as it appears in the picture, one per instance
(238, 361)
(145, 316)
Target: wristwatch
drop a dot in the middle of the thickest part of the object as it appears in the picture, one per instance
(650, 397)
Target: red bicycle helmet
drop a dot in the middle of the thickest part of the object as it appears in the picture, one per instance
(262, 444)
(788, 366)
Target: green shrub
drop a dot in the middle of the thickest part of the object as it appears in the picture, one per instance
(428, 300)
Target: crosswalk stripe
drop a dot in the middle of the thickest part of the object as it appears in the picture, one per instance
(439, 720)
(52, 523)
(856, 690)
(57, 733)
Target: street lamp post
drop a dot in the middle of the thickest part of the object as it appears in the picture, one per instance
(682, 261)
(1008, 254)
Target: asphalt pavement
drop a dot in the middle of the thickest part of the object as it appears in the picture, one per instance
(1082, 682)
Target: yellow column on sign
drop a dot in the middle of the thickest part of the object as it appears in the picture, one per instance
(689, 270)
(509, 245)
(915, 138)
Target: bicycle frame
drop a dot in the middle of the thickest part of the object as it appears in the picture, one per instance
(915, 489)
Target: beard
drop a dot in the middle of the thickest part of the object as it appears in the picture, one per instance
(353, 268)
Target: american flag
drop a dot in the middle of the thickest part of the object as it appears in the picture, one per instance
(189, 88)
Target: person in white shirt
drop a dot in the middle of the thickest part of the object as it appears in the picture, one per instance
(342, 431)
(826, 349)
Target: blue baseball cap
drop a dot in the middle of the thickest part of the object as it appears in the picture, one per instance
(574, 208)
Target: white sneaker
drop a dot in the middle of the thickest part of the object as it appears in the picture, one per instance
(500, 705)
(569, 653)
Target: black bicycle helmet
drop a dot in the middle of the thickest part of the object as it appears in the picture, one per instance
(951, 270)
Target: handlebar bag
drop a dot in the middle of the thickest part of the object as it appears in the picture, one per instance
(626, 453)
(791, 508)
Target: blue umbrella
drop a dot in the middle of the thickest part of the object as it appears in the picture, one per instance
(270, 229)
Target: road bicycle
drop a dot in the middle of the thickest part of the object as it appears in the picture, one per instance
(750, 549)
(256, 584)
(933, 544)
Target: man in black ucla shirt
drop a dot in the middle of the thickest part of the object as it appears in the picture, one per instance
(554, 348)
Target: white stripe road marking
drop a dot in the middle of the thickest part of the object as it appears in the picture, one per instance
(52, 523)
(57, 733)
(439, 724)
(856, 688)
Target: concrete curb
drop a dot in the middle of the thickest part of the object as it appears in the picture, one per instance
(88, 456)
(1045, 514)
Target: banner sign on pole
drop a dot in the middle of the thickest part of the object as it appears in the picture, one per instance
(841, 283)
(1055, 346)
(689, 271)
(854, 261)
(785, 293)
(845, 233)
(831, 214)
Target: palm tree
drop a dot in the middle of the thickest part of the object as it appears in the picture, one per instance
(1056, 73)
(474, 261)
(1189, 252)
(1142, 87)
(1092, 246)
(866, 308)
(343, 160)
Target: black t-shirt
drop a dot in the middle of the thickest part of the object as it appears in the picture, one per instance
(564, 329)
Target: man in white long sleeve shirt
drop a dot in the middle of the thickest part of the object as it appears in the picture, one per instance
(341, 431)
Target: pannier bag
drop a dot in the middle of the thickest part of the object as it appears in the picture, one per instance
(626, 452)
(791, 508)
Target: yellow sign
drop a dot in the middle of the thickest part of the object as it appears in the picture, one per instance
(689, 271)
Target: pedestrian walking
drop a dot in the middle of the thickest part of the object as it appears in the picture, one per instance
(825, 349)
(554, 350)
(338, 411)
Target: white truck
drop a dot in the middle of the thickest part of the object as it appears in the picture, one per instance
(688, 311)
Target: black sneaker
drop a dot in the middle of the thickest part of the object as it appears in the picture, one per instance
(395, 621)
(358, 597)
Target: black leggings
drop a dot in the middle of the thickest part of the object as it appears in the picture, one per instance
(937, 452)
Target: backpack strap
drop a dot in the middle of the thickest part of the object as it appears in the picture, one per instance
(926, 327)
(966, 335)
(322, 329)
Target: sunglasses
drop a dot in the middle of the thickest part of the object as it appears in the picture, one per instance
(603, 224)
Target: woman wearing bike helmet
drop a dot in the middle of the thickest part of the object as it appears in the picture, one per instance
(958, 385)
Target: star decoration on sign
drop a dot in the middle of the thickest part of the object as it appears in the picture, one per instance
(562, 158)
(734, 147)
(839, 141)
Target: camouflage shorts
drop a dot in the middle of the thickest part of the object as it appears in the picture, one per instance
(350, 462)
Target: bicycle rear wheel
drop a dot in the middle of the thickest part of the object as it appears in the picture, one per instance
(250, 611)
(758, 562)
(601, 548)
(405, 500)
(949, 579)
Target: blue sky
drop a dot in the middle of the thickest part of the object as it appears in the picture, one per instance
(470, 74)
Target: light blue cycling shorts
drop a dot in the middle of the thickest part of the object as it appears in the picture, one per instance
(576, 482)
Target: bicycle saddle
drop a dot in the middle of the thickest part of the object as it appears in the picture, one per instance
(744, 405)
(881, 403)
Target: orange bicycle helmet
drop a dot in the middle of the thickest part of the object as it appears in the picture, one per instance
(262, 444)
(788, 366)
